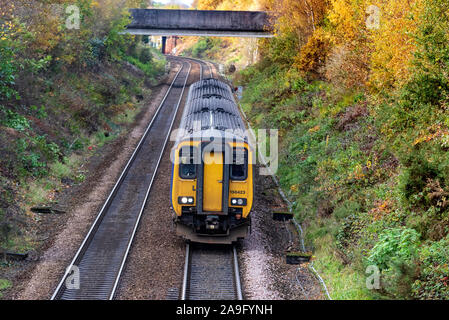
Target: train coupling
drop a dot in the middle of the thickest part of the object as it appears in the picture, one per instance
(212, 222)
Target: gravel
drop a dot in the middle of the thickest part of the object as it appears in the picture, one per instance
(265, 274)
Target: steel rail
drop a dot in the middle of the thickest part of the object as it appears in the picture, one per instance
(210, 68)
(95, 225)
(186, 273)
(238, 284)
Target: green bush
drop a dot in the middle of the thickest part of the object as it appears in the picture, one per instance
(50, 150)
(349, 233)
(13, 120)
(31, 164)
(398, 244)
(145, 56)
(95, 52)
(40, 112)
(415, 176)
(433, 282)
(205, 47)
(396, 255)
(199, 48)
(8, 70)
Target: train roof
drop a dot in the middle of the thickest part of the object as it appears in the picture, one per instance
(211, 111)
(211, 87)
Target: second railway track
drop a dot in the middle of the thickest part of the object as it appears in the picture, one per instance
(101, 257)
(211, 272)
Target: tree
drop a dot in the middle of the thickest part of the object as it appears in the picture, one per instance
(298, 16)
(208, 4)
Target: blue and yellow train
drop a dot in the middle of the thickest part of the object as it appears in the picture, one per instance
(212, 181)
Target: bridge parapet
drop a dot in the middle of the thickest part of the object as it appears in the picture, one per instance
(199, 22)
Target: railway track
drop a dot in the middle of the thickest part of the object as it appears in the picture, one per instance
(211, 273)
(206, 70)
(101, 257)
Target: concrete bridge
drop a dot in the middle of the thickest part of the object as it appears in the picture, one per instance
(163, 22)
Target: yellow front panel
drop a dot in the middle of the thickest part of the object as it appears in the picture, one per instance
(182, 187)
(213, 181)
(243, 189)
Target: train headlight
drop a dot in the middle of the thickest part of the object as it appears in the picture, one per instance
(238, 201)
(186, 200)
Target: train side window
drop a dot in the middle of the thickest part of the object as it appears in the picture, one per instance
(187, 166)
(239, 166)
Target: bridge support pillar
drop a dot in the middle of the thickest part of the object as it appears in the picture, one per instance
(164, 44)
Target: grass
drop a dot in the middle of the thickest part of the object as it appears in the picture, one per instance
(4, 284)
(60, 170)
(37, 193)
(128, 116)
(20, 244)
(100, 139)
(343, 282)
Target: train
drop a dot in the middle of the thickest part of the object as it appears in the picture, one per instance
(212, 186)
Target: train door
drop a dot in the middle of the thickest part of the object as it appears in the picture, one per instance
(213, 181)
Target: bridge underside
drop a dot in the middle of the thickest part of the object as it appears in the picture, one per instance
(162, 22)
(198, 33)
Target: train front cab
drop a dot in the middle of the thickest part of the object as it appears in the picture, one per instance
(212, 190)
